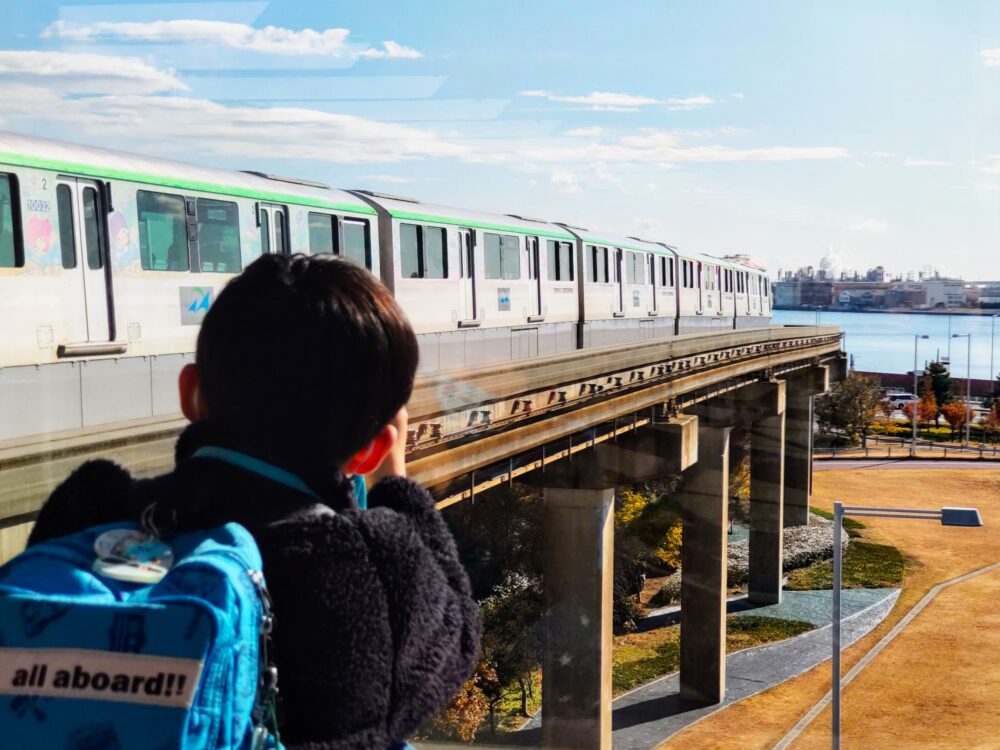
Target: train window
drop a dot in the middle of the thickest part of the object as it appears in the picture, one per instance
(597, 264)
(92, 229)
(629, 268)
(162, 232)
(322, 234)
(560, 259)
(423, 252)
(280, 233)
(638, 263)
(67, 230)
(435, 255)
(503, 256)
(11, 246)
(219, 236)
(409, 250)
(765, 287)
(357, 243)
(265, 233)
(531, 245)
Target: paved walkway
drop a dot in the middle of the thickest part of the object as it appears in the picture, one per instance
(903, 463)
(648, 715)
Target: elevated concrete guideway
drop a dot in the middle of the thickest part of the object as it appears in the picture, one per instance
(640, 411)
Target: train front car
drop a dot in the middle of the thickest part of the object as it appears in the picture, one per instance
(478, 288)
(753, 293)
(109, 261)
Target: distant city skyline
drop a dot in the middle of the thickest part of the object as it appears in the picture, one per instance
(779, 130)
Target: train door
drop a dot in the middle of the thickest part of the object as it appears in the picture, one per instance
(467, 265)
(81, 207)
(535, 277)
(618, 304)
(274, 229)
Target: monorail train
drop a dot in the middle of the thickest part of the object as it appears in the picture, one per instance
(108, 262)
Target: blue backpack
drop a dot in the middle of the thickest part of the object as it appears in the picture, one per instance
(90, 661)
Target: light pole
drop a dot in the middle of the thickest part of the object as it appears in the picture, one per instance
(916, 404)
(968, 381)
(993, 325)
(947, 517)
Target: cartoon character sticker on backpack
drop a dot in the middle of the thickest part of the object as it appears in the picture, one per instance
(132, 555)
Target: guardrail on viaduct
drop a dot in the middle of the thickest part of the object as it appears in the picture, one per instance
(465, 422)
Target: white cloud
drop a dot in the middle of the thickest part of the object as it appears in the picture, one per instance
(883, 154)
(691, 102)
(585, 132)
(609, 101)
(648, 228)
(391, 178)
(870, 226)
(603, 174)
(392, 51)
(150, 124)
(273, 40)
(908, 162)
(565, 181)
(994, 164)
(737, 95)
(83, 73)
(991, 57)
(666, 147)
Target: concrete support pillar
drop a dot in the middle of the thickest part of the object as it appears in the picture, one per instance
(578, 570)
(799, 442)
(767, 484)
(705, 517)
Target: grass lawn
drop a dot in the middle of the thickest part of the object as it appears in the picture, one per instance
(851, 526)
(866, 566)
(509, 716)
(932, 687)
(641, 657)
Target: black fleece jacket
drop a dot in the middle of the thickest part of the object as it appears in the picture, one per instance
(375, 626)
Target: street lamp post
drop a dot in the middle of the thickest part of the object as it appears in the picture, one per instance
(968, 381)
(916, 404)
(993, 326)
(946, 516)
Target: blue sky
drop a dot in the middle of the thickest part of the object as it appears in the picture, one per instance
(785, 130)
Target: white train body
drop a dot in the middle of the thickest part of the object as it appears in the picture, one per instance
(108, 262)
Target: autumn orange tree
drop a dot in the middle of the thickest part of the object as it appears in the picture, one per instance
(927, 408)
(461, 719)
(955, 415)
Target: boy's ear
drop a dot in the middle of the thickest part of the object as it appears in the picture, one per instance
(369, 458)
(188, 383)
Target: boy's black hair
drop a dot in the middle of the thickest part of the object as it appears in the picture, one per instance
(307, 355)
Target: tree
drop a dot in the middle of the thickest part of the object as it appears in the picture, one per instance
(462, 717)
(991, 422)
(993, 398)
(851, 406)
(927, 407)
(511, 643)
(941, 383)
(955, 415)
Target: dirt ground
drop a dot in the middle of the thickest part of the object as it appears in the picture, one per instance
(935, 686)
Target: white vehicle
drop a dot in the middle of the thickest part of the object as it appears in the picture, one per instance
(899, 400)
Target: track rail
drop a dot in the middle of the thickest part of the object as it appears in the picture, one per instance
(464, 421)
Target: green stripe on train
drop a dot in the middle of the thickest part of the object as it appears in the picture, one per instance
(20, 160)
(430, 219)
